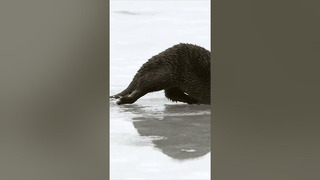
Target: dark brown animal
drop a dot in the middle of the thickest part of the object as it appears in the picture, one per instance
(182, 71)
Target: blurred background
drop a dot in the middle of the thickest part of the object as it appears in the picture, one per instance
(155, 138)
(53, 95)
(266, 89)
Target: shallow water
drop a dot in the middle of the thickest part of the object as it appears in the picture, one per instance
(155, 138)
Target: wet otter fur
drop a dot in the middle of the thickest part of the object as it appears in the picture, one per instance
(182, 71)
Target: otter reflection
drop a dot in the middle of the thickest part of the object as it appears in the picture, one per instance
(185, 129)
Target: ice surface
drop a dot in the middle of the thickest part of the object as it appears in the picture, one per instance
(155, 138)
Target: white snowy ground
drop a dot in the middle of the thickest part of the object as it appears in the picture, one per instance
(154, 138)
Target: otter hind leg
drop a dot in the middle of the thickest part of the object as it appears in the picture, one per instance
(176, 94)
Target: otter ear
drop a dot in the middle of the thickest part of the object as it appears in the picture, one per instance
(118, 101)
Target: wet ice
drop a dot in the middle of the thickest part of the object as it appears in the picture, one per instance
(155, 138)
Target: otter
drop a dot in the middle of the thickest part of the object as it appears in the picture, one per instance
(182, 71)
